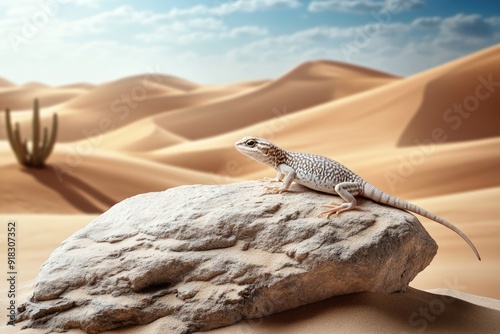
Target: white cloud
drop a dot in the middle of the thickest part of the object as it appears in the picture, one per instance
(88, 3)
(244, 30)
(466, 26)
(363, 6)
(494, 20)
(300, 38)
(462, 33)
(174, 20)
(395, 47)
(127, 14)
(300, 43)
(100, 22)
(190, 42)
(227, 8)
(21, 8)
(357, 6)
(472, 25)
(197, 30)
(252, 6)
(450, 37)
(401, 5)
(427, 22)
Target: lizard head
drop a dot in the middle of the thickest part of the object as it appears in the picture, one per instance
(259, 149)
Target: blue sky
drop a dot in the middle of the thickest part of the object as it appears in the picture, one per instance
(222, 41)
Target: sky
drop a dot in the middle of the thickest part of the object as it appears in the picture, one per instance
(223, 41)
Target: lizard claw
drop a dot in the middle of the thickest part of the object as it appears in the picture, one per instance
(335, 208)
(274, 190)
(327, 213)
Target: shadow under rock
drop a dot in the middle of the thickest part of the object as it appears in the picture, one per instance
(414, 311)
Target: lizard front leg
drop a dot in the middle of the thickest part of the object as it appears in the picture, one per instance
(346, 190)
(278, 178)
(290, 176)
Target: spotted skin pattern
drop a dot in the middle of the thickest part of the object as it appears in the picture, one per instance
(326, 175)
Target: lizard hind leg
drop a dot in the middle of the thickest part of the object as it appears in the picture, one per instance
(346, 190)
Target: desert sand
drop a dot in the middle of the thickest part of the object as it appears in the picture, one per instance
(431, 138)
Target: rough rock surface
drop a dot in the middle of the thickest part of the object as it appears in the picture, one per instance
(202, 257)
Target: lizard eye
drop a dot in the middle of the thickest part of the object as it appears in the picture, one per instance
(251, 143)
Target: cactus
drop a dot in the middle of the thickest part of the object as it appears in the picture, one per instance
(40, 151)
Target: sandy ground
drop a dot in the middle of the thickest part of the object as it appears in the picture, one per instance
(432, 138)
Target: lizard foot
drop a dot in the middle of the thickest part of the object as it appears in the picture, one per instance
(332, 204)
(335, 208)
(274, 190)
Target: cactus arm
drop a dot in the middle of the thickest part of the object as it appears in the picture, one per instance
(25, 154)
(22, 148)
(25, 151)
(8, 125)
(43, 146)
(10, 133)
(35, 158)
(53, 136)
(39, 151)
(14, 141)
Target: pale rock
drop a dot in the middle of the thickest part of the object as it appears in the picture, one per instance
(200, 257)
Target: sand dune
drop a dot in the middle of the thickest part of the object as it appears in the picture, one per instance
(349, 79)
(462, 100)
(379, 116)
(111, 147)
(140, 87)
(21, 97)
(81, 85)
(302, 88)
(363, 126)
(141, 136)
(108, 107)
(381, 113)
(77, 182)
(251, 84)
(455, 266)
(119, 111)
(35, 84)
(6, 83)
(113, 105)
(406, 172)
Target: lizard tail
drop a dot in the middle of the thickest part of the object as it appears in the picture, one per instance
(372, 192)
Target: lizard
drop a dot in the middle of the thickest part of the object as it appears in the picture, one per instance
(329, 176)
